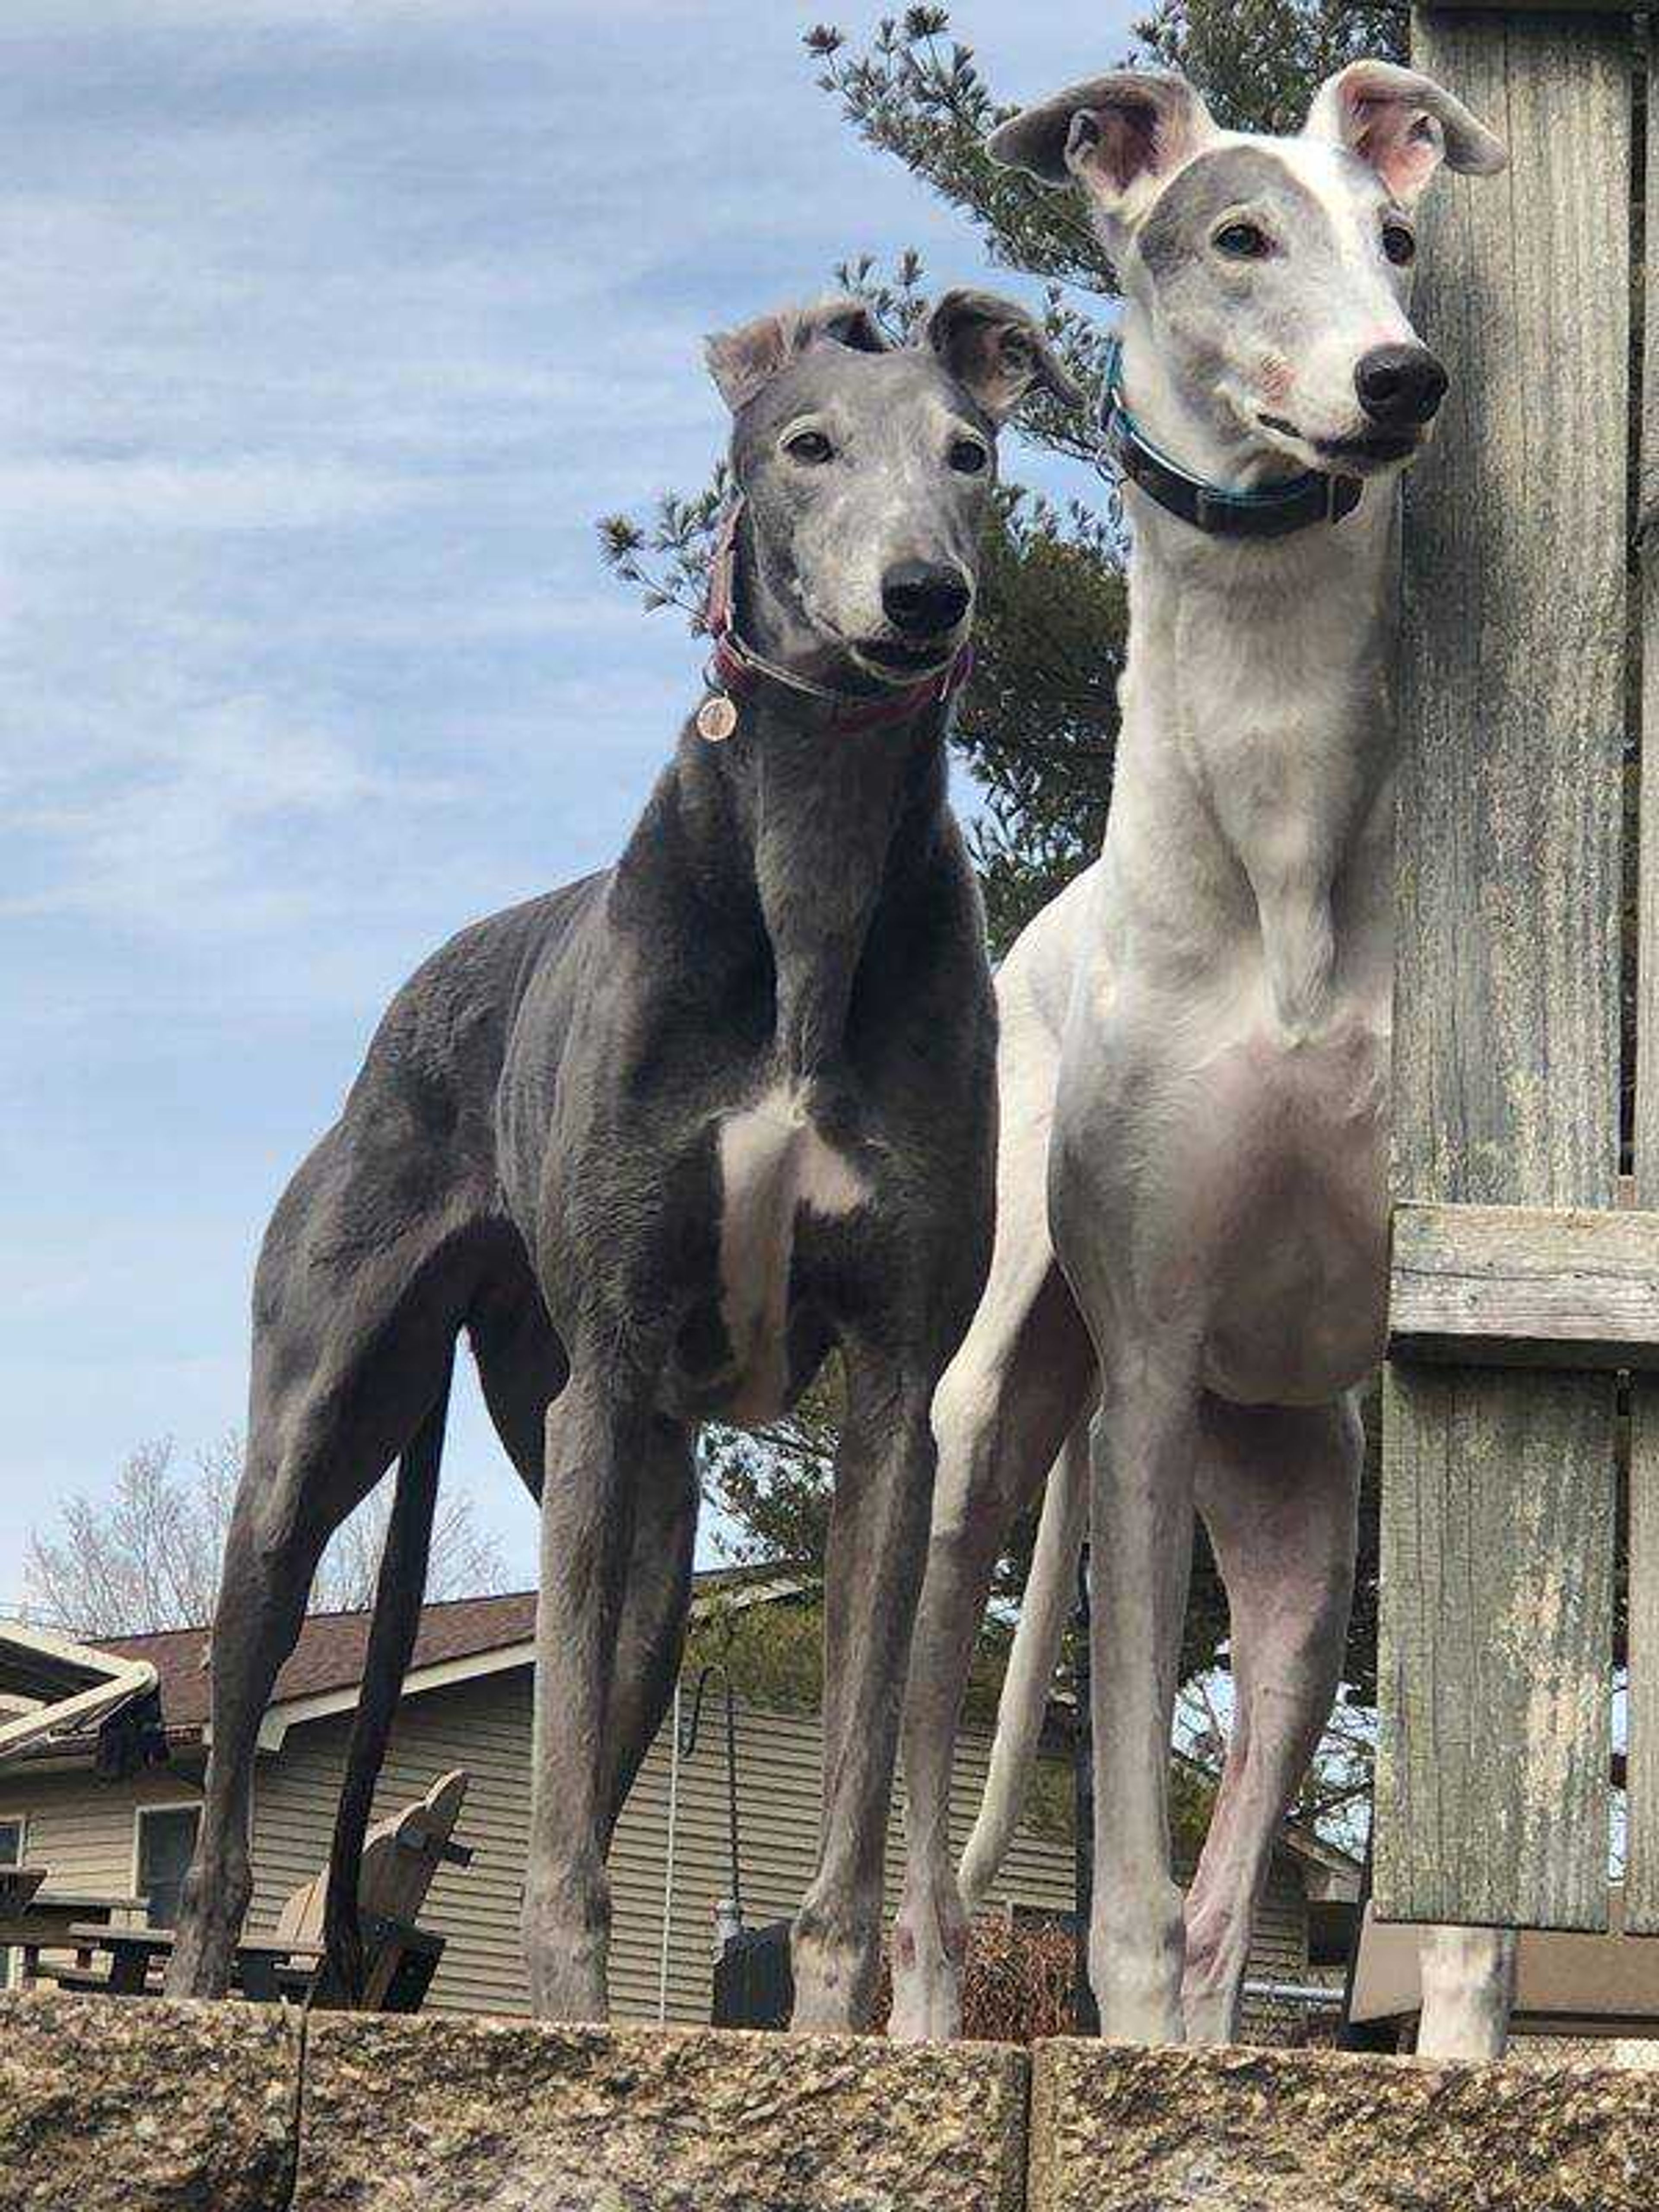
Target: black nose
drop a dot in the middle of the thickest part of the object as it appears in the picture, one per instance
(924, 598)
(1400, 386)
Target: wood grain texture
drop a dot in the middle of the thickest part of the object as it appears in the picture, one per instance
(1499, 1486)
(1525, 1286)
(1528, 7)
(1642, 1867)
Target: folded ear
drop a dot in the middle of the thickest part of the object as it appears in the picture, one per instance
(1404, 124)
(742, 360)
(996, 350)
(1120, 137)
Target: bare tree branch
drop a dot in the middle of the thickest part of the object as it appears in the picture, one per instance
(147, 1557)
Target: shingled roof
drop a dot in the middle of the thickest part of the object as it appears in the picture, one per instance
(329, 1654)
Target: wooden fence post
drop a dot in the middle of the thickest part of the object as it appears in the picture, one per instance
(1500, 1487)
(1642, 1872)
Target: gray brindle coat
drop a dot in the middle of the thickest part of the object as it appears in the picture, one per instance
(657, 1142)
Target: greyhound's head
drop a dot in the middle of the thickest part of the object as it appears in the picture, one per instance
(865, 472)
(1271, 276)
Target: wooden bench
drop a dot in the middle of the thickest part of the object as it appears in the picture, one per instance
(401, 1856)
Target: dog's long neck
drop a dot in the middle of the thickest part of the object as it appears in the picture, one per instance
(833, 816)
(827, 814)
(1252, 812)
(794, 832)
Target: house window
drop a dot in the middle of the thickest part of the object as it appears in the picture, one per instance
(11, 1854)
(166, 1837)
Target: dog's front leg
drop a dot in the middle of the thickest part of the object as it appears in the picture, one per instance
(1468, 1992)
(597, 1431)
(878, 1548)
(1141, 1467)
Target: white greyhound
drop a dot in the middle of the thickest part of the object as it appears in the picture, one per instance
(1192, 1201)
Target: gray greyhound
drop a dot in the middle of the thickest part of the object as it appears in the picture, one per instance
(657, 1142)
(1193, 1064)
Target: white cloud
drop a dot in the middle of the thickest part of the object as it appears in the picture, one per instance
(156, 495)
(162, 847)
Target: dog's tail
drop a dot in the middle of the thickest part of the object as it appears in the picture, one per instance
(1031, 1664)
(400, 1593)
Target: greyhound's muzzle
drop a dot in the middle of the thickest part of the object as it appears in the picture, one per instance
(1401, 386)
(926, 602)
(925, 599)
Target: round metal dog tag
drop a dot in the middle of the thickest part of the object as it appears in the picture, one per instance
(716, 719)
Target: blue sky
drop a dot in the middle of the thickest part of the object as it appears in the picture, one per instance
(328, 331)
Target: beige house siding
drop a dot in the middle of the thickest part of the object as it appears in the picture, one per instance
(484, 1726)
(84, 1831)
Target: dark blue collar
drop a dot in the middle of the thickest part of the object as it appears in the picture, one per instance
(1273, 512)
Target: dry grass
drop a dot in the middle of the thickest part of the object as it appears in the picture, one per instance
(1018, 1987)
(1020, 1983)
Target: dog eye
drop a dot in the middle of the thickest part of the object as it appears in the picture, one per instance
(810, 447)
(968, 456)
(1398, 243)
(1243, 241)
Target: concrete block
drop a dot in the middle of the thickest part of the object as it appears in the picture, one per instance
(437, 2114)
(1115, 2129)
(131, 2105)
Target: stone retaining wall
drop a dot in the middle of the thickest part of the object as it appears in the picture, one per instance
(1118, 2130)
(127, 2105)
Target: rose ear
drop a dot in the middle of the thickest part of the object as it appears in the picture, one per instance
(743, 361)
(1119, 137)
(995, 351)
(1404, 125)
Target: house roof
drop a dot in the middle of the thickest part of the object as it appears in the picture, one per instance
(457, 1637)
(330, 1653)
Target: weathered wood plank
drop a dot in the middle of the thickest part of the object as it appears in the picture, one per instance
(1497, 1738)
(1525, 1286)
(1499, 1485)
(1533, 7)
(1641, 1862)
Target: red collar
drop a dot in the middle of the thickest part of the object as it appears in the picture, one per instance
(734, 669)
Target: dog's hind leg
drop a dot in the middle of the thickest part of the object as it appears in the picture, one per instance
(307, 1468)
(276, 1538)
(1022, 1709)
(1278, 1489)
(656, 1607)
(1010, 1397)
(351, 1346)
(521, 1370)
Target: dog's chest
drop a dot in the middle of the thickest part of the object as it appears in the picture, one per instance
(776, 1167)
(1291, 1208)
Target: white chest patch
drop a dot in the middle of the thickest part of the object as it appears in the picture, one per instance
(773, 1166)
